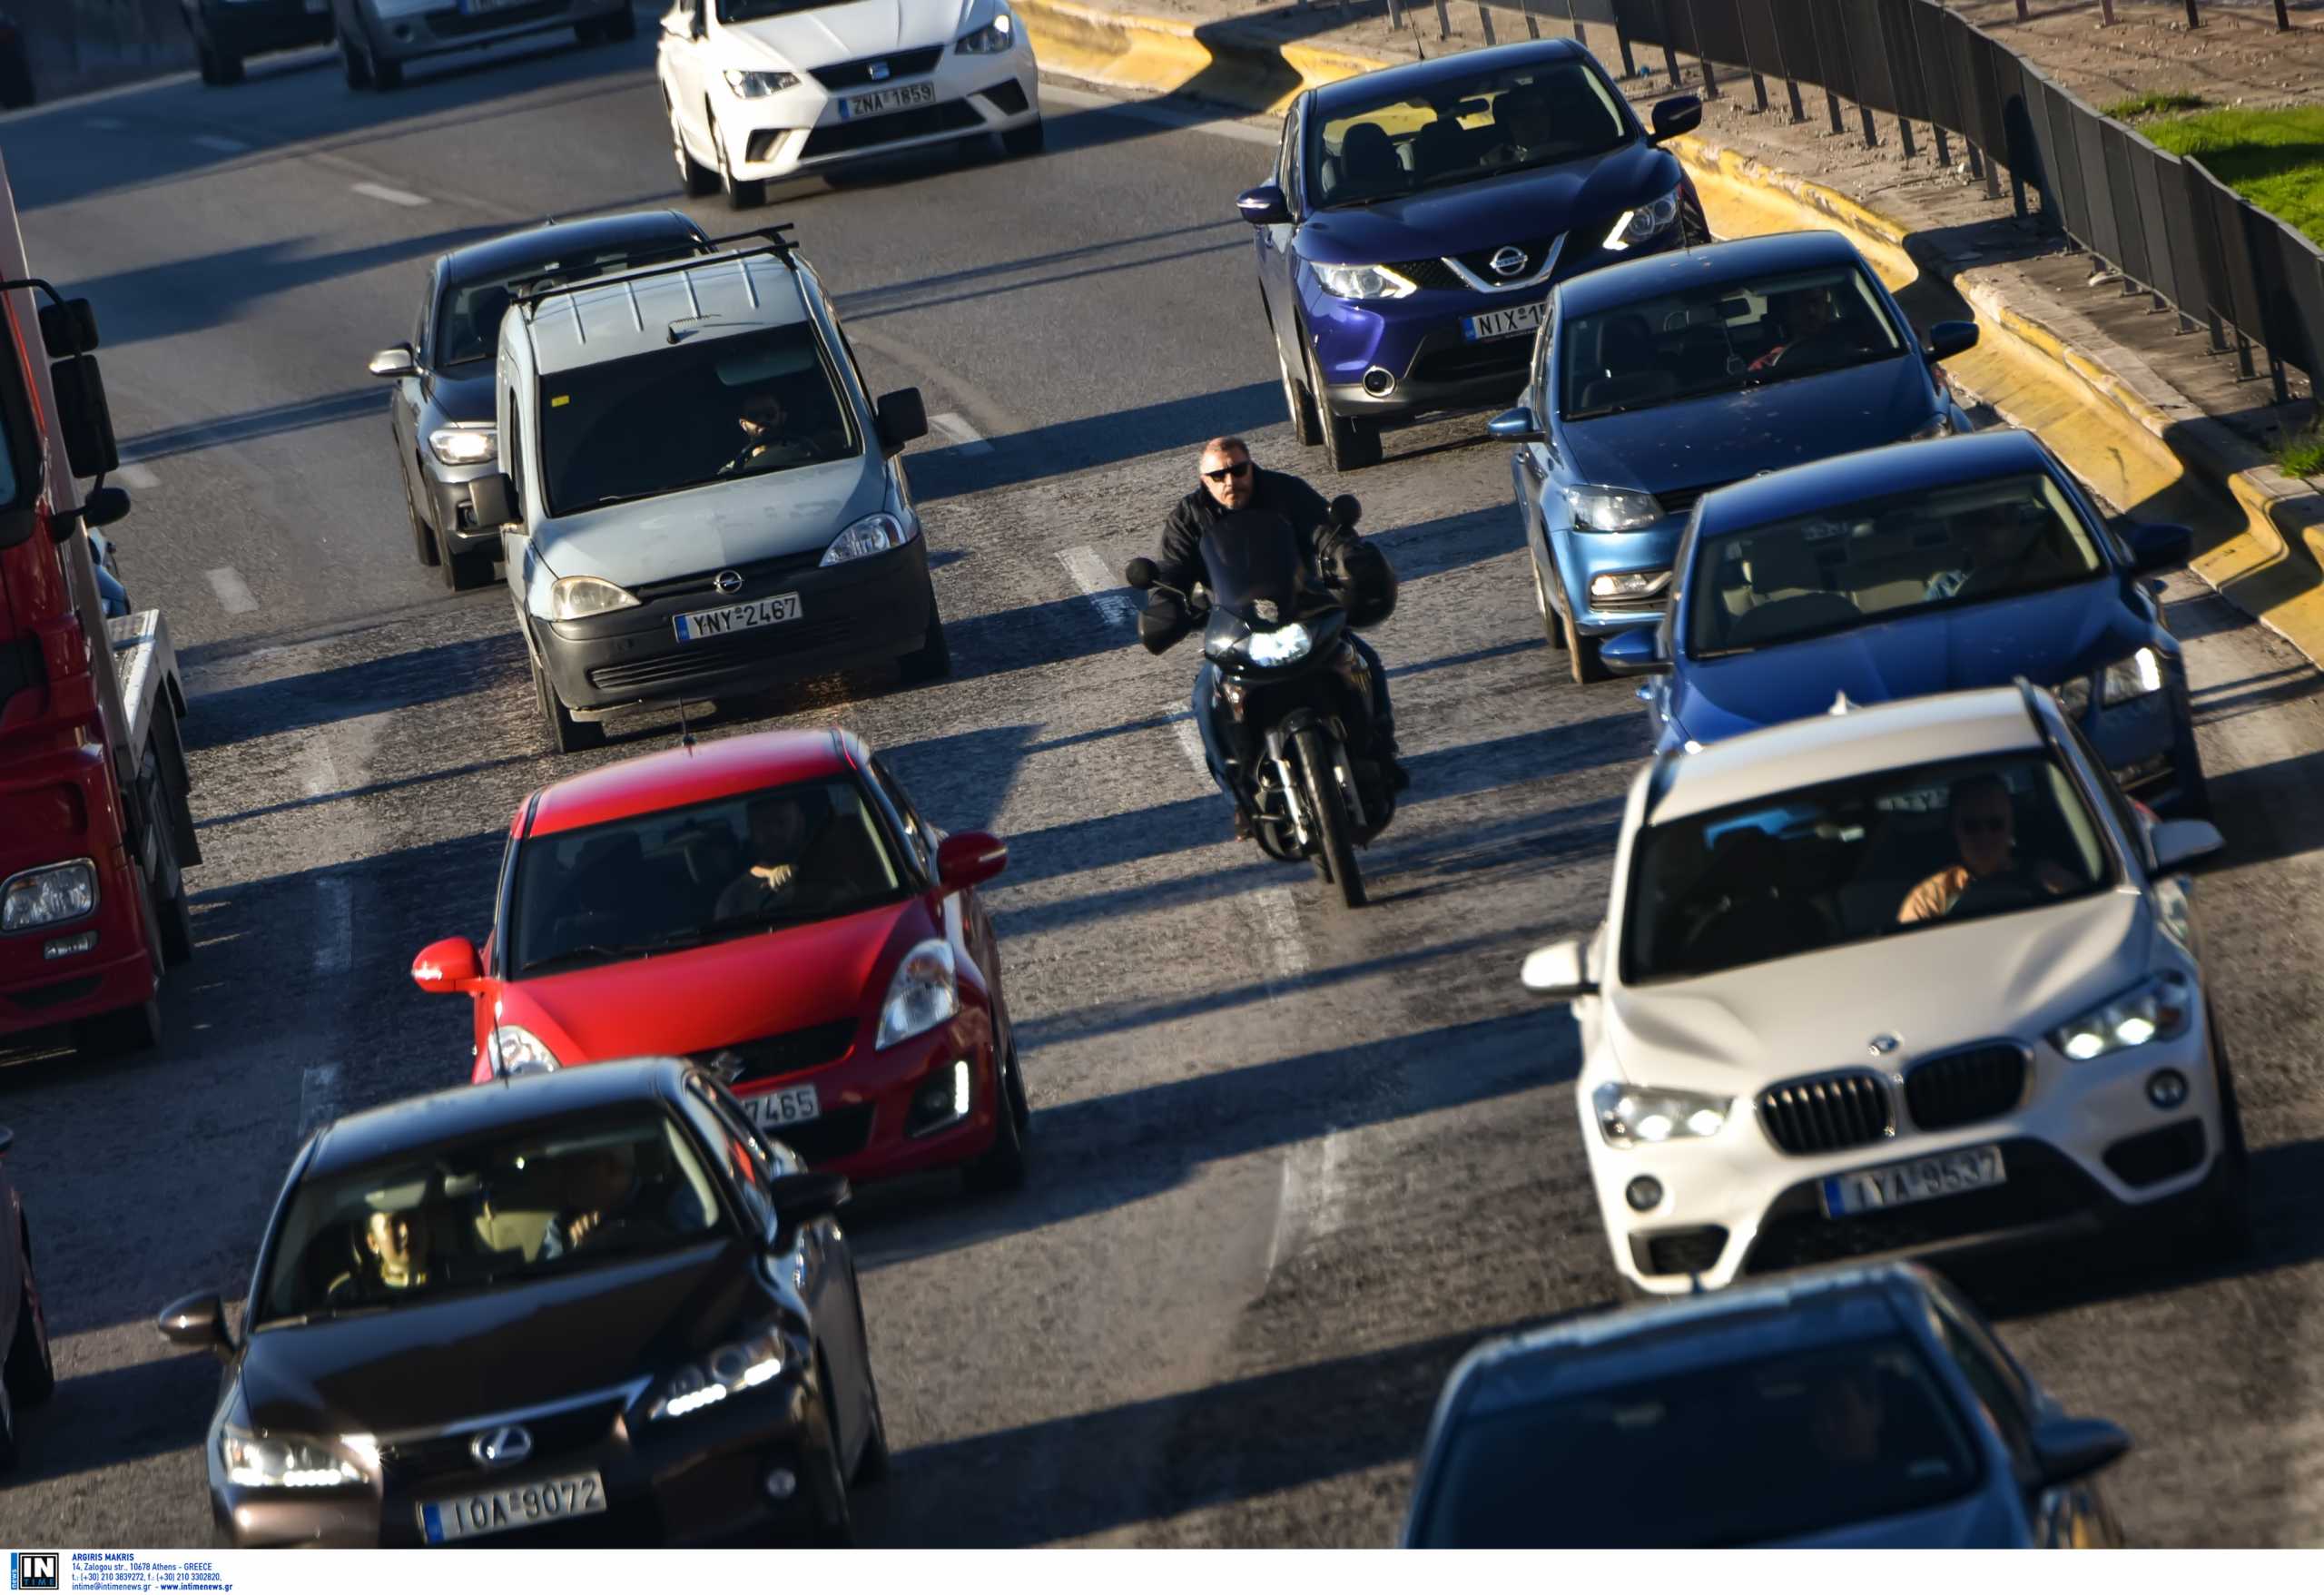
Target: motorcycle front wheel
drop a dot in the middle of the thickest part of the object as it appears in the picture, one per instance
(1328, 810)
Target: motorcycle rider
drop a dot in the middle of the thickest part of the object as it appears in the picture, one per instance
(1230, 482)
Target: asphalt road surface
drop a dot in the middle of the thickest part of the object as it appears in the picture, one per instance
(1291, 1161)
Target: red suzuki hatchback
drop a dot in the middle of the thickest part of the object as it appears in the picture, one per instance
(773, 907)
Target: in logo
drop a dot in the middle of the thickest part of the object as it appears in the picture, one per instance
(35, 1570)
(1509, 259)
(879, 72)
(502, 1448)
(728, 581)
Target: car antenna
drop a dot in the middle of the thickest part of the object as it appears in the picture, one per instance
(685, 730)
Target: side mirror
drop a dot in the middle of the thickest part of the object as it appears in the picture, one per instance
(449, 967)
(1947, 339)
(2159, 546)
(83, 417)
(902, 417)
(2180, 842)
(1344, 510)
(69, 327)
(495, 499)
(104, 507)
(1516, 426)
(1140, 573)
(801, 1198)
(1555, 971)
(1264, 206)
(970, 858)
(2067, 1449)
(1678, 114)
(1634, 652)
(198, 1324)
(398, 361)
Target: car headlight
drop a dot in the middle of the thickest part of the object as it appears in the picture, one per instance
(2130, 678)
(758, 86)
(995, 38)
(1939, 425)
(464, 444)
(50, 895)
(1634, 1116)
(1279, 647)
(576, 597)
(1611, 509)
(874, 533)
(1644, 223)
(516, 1051)
(2156, 1009)
(924, 994)
(1628, 583)
(1362, 281)
(284, 1461)
(729, 1370)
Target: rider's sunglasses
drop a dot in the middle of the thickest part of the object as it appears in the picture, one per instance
(1241, 467)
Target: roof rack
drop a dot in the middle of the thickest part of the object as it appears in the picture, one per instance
(775, 241)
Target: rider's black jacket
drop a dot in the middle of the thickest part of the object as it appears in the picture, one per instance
(1180, 564)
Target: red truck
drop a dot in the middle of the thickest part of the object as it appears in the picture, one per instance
(94, 830)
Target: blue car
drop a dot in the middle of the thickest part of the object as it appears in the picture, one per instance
(1919, 568)
(1658, 380)
(1418, 216)
(1871, 1407)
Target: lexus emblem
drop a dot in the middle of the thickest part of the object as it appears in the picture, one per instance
(1508, 260)
(729, 581)
(502, 1448)
(1882, 1046)
(879, 72)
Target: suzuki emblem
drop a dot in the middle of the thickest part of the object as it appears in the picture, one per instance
(728, 581)
(879, 72)
(1509, 259)
(502, 1448)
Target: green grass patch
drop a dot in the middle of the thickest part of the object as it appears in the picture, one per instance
(2304, 455)
(2275, 159)
(2153, 104)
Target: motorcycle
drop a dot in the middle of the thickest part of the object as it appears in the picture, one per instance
(1297, 724)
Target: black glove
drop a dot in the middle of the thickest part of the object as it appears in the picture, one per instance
(1161, 623)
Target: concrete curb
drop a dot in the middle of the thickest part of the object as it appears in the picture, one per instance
(2261, 534)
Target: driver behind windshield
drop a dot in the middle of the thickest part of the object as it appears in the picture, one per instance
(778, 847)
(1527, 127)
(1814, 333)
(392, 1254)
(768, 442)
(1994, 541)
(1984, 824)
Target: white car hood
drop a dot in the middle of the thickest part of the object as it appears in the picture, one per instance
(1732, 1033)
(832, 33)
(711, 528)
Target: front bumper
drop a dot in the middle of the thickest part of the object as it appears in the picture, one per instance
(400, 32)
(37, 991)
(801, 128)
(1578, 558)
(2149, 744)
(2084, 1150)
(864, 1130)
(450, 509)
(246, 27)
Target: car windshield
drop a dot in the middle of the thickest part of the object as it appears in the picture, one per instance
(467, 326)
(694, 413)
(1879, 558)
(680, 878)
(1718, 338)
(1736, 1455)
(1825, 866)
(528, 1201)
(1512, 120)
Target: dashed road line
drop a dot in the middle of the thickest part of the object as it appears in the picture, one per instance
(219, 143)
(1090, 575)
(393, 196)
(964, 437)
(319, 1098)
(234, 593)
(335, 931)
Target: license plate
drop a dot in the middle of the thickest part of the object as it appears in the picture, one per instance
(1506, 323)
(520, 1506)
(735, 617)
(886, 100)
(1946, 1174)
(773, 1110)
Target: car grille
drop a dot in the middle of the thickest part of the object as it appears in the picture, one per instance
(1679, 1251)
(857, 75)
(2158, 1155)
(1681, 500)
(921, 121)
(1827, 1113)
(1962, 1087)
(1480, 261)
(1008, 98)
(772, 1057)
(2044, 1186)
(451, 23)
(697, 660)
(1496, 357)
(706, 581)
(826, 1139)
(555, 1434)
(1430, 273)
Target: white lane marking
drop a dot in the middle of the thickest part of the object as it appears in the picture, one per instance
(233, 592)
(1185, 119)
(1279, 918)
(1190, 742)
(219, 143)
(1090, 575)
(104, 124)
(318, 775)
(335, 935)
(133, 475)
(317, 1097)
(393, 196)
(964, 437)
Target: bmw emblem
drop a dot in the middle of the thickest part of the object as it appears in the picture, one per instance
(502, 1448)
(1882, 1046)
(729, 581)
(877, 71)
(1508, 260)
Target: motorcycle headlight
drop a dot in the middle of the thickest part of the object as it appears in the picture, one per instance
(1634, 1116)
(2074, 697)
(995, 38)
(1280, 647)
(1939, 425)
(50, 895)
(464, 444)
(1611, 509)
(284, 1461)
(923, 995)
(516, 1051)
(2130, 678)
(728, 1371)
(1362, 281)
(576, 597)
(2156, 1009)
(1644, 223)
(874, 533)
(758, 86)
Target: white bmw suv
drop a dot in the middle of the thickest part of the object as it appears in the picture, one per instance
(1908, 979)
(758, 90)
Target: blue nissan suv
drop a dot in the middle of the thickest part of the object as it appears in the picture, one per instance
(1418, 216)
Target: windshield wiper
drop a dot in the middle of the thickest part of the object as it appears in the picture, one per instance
(612, 498)
(592, 950)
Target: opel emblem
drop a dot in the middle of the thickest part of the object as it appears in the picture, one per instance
(502, 1448)
(878, 73)
(1509, 259)
(1882, 1046)
(729, 581)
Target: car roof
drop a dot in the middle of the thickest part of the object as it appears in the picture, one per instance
(1871, 473)
(458, 1112)
(635, 312)
(1861, 740)
(536, 246)
(1675, 270)
(680, 776)
(1419, 77)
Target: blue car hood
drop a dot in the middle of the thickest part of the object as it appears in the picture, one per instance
(1492, 210)
(2046, 637)
(1727, 437)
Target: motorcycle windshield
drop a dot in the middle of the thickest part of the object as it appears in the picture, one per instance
(1256, 570)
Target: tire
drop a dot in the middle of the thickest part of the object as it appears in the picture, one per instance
(590, 32)
(1006, 1165)
(1297, 400)
(17, 89)
(932, 660)
(740, 196)
(874, 1466)
(1552, 623)
(465, 570)
(1328, 810)
(837, 1530)
(1581, 654)
(423, 535)
(566, 734)
(219, 69)
(1028, 140)
(354, 62)
(1349, 444)
(2226, 1231)
(387, 75)
(171, 913)
(695, 181)
(622, 25)
(123, 1032)
(31, 1368)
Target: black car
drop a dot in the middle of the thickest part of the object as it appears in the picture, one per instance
(225, 31)
(443, 410)
(15, 67)
(587, 1307)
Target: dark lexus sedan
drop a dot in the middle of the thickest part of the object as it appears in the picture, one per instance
(1418, 215)
(587, 1307)
(442, 415)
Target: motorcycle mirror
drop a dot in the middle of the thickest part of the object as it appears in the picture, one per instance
(1345, 510)
(1139, 573)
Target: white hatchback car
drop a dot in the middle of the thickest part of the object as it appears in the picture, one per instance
(1908, 979)
(759, 89)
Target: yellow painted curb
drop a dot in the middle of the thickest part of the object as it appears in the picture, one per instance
(1168, 57)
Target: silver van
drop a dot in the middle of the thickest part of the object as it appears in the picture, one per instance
(697, 495)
